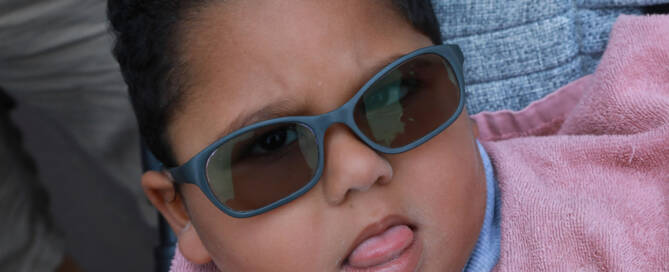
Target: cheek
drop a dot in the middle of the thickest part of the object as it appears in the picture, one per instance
(445, 183)
(261, 243)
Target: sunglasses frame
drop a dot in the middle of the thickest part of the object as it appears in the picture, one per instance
(194, 171)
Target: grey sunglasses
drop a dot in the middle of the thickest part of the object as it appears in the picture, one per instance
(265, 165)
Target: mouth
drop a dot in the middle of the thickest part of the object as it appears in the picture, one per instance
(390, 244)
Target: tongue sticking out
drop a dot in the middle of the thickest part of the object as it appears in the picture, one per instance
(381, 248)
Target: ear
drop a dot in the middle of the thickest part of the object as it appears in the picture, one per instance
(161, 192)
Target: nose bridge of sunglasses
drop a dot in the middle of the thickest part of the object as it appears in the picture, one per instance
(342, 115)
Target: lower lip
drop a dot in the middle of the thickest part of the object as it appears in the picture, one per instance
(408, 260)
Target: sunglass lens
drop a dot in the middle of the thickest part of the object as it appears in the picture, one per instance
(408, 102)
(262, 166)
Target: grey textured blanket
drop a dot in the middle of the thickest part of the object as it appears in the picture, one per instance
(518, 51)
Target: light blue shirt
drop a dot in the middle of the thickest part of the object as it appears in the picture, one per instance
(486, 252)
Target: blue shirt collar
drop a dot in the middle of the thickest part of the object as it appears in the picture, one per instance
(486, 252)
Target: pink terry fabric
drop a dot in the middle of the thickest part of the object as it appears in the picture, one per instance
(584, 173)
(181, 264)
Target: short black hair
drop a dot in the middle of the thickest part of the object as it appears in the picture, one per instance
(146, 50)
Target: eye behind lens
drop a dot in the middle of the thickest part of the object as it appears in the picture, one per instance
(408, 102)
(274, 140)
(262, 166)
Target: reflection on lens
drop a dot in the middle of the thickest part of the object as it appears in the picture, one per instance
(408, 102)
(263, 165)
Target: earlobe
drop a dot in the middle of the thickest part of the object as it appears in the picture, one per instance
(191, 246)
(162, 194)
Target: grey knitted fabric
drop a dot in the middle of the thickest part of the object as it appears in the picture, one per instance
(518, 51)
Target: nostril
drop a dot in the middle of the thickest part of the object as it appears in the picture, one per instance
(350, 166)
(386, 174)
(383, 181)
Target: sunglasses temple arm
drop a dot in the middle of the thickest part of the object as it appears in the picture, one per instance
(187, 173)
(458, 52)
(175, 174)
(151, 163)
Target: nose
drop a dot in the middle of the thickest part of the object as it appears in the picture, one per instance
(350, 165)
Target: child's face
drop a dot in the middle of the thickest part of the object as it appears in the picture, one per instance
(306, 57)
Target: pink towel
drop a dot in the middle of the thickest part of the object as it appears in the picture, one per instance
(181, 264)
(584, 173)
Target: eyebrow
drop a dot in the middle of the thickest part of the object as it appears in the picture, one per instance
(272, 110)
(385, 62)
(283, 108)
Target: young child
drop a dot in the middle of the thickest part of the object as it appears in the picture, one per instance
(311, 135)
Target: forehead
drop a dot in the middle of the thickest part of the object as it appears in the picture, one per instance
(306, 56)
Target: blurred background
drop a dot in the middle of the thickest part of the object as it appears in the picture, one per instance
(69, 149)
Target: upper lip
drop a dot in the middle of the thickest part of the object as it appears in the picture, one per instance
(377, 228)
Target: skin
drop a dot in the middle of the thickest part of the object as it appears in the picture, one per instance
(310, 57)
